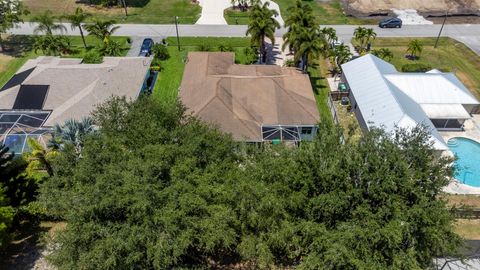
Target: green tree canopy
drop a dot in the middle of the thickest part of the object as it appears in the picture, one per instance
(157, 189)
(11, 12)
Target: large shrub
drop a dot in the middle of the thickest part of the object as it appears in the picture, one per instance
(416, 67)
(157, 189)
(92, 57)
(160, 51)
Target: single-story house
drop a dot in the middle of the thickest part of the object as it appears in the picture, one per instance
(382, 97)
(253, 103)
(49, 90)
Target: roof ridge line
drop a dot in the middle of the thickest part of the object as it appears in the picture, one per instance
(234, 100)
(296, 101)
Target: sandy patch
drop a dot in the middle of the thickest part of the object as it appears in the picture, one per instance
(433, 7)
(4, 60)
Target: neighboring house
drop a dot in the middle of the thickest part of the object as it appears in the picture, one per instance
(253, 103)
(382, 97)
(49, 90)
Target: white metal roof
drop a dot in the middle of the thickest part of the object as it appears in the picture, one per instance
(445, 111)
(389, 99)
(432, 88)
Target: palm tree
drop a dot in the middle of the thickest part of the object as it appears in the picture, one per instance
(384, 53)
(112, 48)
(102, 29)
(262, 25)
(415, 48)
(46, 24)
(76, 20)
(330, 34)
(52, 45)
(300, 17)
(340, 54)
(73, 132)
(313, 45)
(39, 159)
(363, 36)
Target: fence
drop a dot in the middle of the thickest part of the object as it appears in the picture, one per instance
(332, 109)
(466, 213)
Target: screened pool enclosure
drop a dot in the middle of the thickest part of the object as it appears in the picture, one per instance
(17, 126)
(294, 133)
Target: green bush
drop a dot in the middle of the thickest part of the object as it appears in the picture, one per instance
(203, 48)
(416, 67)
(92, 57)
(251, 54)
(160, 52)
(289, 63)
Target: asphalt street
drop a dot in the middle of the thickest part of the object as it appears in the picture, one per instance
(466, 33)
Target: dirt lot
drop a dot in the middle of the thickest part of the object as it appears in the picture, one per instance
(425, 7)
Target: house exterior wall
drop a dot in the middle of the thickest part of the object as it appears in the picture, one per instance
(358, 113)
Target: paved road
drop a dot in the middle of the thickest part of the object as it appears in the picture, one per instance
(466, 33)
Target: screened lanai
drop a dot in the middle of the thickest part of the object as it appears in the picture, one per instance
(17, 126)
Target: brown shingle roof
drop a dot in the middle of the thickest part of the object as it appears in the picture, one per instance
(242, 98)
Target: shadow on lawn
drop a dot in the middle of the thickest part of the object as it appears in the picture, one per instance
(16, 46)
(24, 249)
(130, 3)
(318, 82)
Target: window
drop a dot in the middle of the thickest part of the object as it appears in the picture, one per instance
(306, 130)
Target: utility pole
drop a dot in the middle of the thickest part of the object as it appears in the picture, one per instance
(176, 27)
(441, 29)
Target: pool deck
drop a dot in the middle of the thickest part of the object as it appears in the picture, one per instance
(471, 131)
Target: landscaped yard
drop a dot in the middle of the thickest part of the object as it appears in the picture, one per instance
(141, 11)
(169, 79)
(318, 74)
(20, 50)
(328, 13)
(450, 56)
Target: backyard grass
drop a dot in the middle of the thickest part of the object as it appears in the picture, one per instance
(468, 228)
(140, 11)
(327, 13)
(348, 122)
(317, 73)
(462, 200)
(19, 50)
(170, 77)
(450, 56)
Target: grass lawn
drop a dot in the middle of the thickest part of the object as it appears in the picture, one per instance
(462, 200)
(468, 228)
(450, 56)
(141, 11)
(20, 50)
(169, 79)
(236, 16)
(327, 13)
(321, 90)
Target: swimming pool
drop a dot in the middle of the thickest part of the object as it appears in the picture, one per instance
(468, 160)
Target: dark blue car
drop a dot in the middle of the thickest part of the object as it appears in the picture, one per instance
(390, 23)
(146, 49)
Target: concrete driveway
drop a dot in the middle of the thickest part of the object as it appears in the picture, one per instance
(212, 11)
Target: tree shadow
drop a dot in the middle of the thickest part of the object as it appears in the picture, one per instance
(318, 82)
(17, 45)
(130, 3)
(25, 248)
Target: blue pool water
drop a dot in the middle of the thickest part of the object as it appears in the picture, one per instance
(468, 160)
